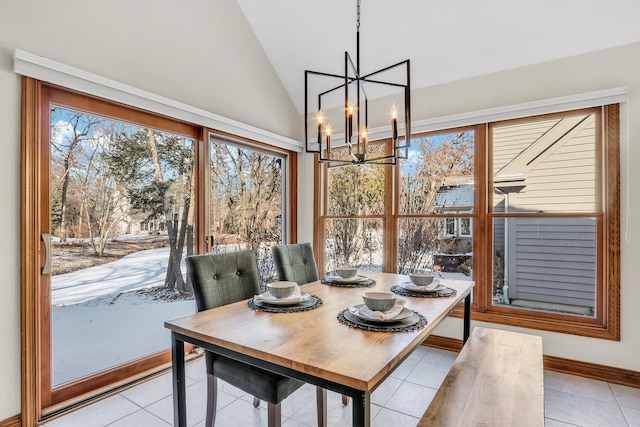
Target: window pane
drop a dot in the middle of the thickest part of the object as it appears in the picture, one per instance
(246, 202)
(465, 226)
(545, 263)
(356, 190)
(122, 223)
(450, 226)
(546, 166)
(356, 242)
(438, 175)
(424, 245)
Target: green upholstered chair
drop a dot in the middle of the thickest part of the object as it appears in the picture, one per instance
(220, 279)
(295, 263)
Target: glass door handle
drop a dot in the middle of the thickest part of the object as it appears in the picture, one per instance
(46, 238)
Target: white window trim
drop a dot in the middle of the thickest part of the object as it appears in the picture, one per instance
(47, 70)
(526, 109)
(459, 226)
(514, 111)
(447, 221)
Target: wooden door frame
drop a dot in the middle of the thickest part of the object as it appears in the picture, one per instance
(35, 218)
(36, 401)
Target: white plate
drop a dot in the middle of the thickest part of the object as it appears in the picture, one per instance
(404, 314)
(271, 300)
(339, 279)
(421, 289)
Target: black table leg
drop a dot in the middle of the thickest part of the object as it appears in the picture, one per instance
(361, 409)
(467, 318)
(179, 389)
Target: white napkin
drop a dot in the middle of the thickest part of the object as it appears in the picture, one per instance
(365, 311)
(266, 296)
(354, 279)
(430, 287)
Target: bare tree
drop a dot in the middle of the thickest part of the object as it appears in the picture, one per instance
(439, 157)
(354, 191)
(246, 189)
(68, 136)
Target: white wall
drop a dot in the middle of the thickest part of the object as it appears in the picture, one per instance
(200, 52)
(606, 69)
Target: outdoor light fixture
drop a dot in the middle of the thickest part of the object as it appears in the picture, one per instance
(343, 114)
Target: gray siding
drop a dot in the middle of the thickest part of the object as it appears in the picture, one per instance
(553, 260)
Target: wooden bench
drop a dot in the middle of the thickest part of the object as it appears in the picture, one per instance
(496, 380)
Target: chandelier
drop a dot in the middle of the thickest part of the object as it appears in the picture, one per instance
(343, 106)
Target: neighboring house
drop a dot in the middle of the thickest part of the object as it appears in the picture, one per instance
(545, 166)
(456, 196)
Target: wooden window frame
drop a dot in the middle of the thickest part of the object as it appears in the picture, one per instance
(37, 403)
(606, 323)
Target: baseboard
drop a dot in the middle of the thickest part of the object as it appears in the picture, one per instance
(443, 343)
(15, 421)
(567, 366)
(591, 370)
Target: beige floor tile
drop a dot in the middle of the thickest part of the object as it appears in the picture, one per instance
(432, 368)
(196, 404)
(387, 418)
(98, 414)
(582, 411)
(585, 387)
(411, 399)
(153, 390)
(404, 370)
(632, 415)
(385, 390)
(627, 396)
(241, 413)
(141, 418)
(337, 414)
(548, 422)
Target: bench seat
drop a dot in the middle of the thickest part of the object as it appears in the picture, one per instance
(496, 380)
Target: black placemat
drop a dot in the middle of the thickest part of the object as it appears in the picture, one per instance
(362, 284)
(309, 304)
(413, 323)
(446, 292)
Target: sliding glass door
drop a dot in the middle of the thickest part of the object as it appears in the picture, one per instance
(114, 200)
(246, 201)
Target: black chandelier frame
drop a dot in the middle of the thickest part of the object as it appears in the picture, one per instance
(353, 78)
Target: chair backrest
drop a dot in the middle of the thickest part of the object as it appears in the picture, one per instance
(220, 279)
(295, 263)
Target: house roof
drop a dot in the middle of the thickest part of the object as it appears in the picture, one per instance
(455, 197)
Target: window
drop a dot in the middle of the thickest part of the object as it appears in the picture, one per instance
(116, 202)
(247, 201)
(527, 208)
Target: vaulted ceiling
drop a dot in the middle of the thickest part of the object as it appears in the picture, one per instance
(446, 40)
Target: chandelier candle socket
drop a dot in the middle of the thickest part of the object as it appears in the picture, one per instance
(394, 123)
(341, 99)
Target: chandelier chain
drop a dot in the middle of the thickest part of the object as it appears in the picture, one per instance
(358, 17)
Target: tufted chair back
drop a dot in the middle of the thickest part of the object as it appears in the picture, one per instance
(295, 263)
(220, 279)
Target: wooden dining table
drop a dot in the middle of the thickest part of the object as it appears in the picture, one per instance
(313, 346)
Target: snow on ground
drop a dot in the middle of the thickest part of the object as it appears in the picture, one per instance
(89, 338)
(98, 321)
(135, 271)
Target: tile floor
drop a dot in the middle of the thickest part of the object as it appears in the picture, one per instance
(398, 402)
